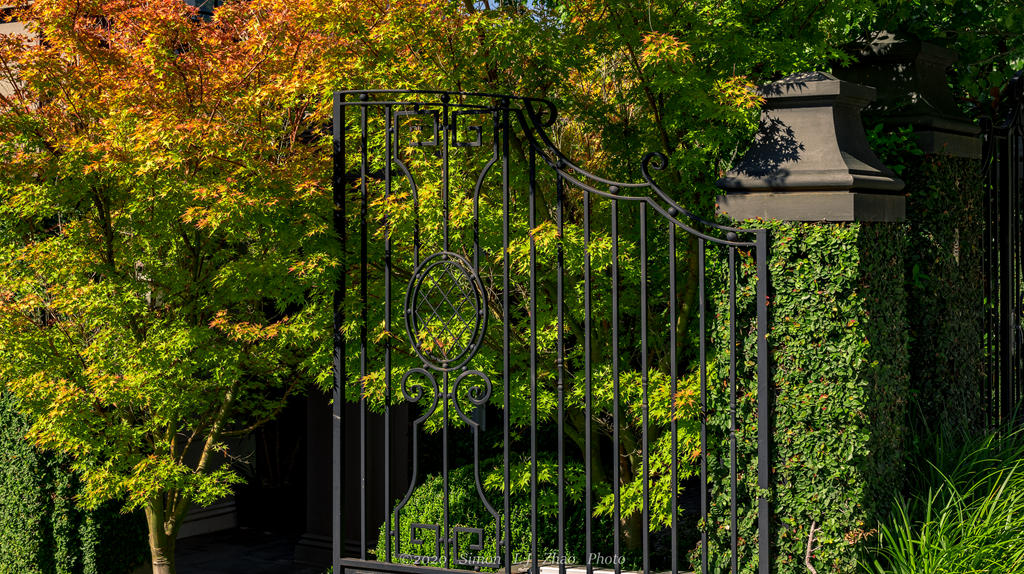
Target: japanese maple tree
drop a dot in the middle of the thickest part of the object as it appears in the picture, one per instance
(163, 246)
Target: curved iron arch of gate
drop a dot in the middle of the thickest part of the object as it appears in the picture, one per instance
(537, 293)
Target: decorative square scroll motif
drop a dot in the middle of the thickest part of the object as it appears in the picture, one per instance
(415, 540)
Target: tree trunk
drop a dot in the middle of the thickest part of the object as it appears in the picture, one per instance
(576, 431)
(633, 531)
(162, 536)
(631, 524)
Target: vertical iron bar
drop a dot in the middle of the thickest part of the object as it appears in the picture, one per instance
(1014, 226)
(996, 332)
(444, 170)
(506, 321)
(560, 365)
(444, 534)
(388, 129)
(646, 472)
(588, 456)
(1011, 221)
(447, 396)
(338, 192)
(988, 323)
(701, 306)
(1006, 278)
(535, 564)
(415, 209)
(764, 426)
(363, 280)
(1014, 176)
(674, 373)
(733, 522)
(617, 458)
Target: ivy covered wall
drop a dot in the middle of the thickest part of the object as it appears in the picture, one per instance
(945, 288)
(876, 339)
(42, 531)
(838, 334)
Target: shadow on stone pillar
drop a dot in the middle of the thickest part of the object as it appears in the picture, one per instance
(913, 90)
(946, 214)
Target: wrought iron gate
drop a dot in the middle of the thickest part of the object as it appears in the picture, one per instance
(586, 360)
(1004, 262)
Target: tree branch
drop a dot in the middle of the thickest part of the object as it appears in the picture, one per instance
(810, 545)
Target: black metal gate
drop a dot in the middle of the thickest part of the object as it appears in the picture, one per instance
(586, 360)
(1004, 263)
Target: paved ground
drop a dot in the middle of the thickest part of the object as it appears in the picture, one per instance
(239, 551)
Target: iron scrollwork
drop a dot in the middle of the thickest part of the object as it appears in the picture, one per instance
(446, 318)
(445, 311)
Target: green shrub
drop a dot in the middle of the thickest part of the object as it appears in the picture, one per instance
(964, 513)
(42, 531)
(426, 506)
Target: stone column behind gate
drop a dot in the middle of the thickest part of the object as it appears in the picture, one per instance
(837, 312)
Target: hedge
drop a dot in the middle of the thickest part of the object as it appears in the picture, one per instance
(839, 367)
(875, 331)
(42, 531)
(946, 292)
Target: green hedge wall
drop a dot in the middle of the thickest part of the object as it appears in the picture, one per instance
(839, 342)
(42, 531)
(945, 286)
(875, 329)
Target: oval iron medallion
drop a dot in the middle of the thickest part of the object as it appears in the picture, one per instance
(445, 311)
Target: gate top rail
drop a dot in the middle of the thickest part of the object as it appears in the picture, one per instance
(535, 114)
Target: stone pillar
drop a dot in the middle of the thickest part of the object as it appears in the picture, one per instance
(913, 90)
(946, 214)
(837, 315)
(314, 548)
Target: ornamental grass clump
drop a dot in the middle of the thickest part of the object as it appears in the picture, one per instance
(965, 514)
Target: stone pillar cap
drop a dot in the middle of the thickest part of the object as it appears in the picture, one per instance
(910, 75)
(803, 145)
(800, 89)
(889, 46)
(810, 159)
